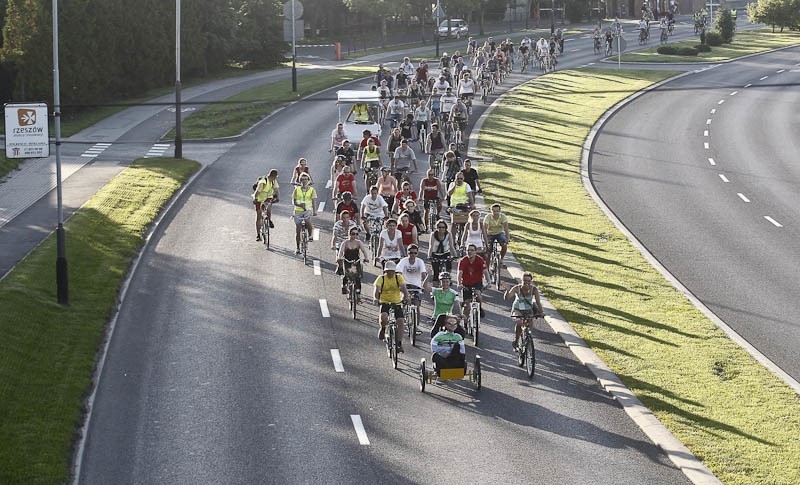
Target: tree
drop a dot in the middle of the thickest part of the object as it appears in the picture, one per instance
(780, 13)
(380, 8)
(258, 41)
(723, 23)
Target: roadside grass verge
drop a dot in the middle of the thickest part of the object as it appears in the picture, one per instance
(744, 43)
(243, 110)
(741, 420)
(8, 164)
(47, 352)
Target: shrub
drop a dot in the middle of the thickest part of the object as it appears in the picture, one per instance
(723, 23)
(713, 38)
(702, 48)
(668, 50)
(687, 51)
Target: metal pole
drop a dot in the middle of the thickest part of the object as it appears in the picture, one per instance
(553, 18)
(294, 50)
(438, 9)
(62, 277)
(509, 18)
(178, 136)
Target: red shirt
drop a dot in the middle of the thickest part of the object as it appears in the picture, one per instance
(471, 273)
(350, 207)
(401, 198)
(346, 183)
(407, 233)
(430, 188)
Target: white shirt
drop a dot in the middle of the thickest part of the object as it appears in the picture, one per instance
(403, 158)
(374, 207)
(467, 86)
(338, 137)
(396, 106)
(408, 68)
(447, 102)
(441, 86)
(391, 246)
(412, 272)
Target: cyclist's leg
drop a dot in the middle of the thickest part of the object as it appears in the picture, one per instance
(297, 227)
(259, 219)
(517, 329)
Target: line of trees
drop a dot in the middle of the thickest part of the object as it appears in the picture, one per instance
(113, 49)
(777, 13)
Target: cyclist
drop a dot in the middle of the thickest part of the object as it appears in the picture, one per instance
(341, 229)
(448, 347)
(440, 249)
(542, 47)
(402, 161)
(387, 186)
(371, 158)
(644, 28)
(422, 115)
(474, 233)
(347, 154)
(401, 81)
(560, 40)
(445, 300)
(348, 256)
(458, 116)
(441, 84)
(414, 215)
(596, 38)
(413, 269)
(390, 289)
(527, 303)
(472, 270)
(373, 206)
(466, 88)
(359, 113)
(402, 196)
(471, 177)
(407, 66)
(345, 182)
(435, 144)
(444, 61)
(338, 137)
(366, 137)
(396, 109)
(447, 101)
(524, 51)
(266, 192)
(422, 73)
(609, 41)
(461, 201)
(431, 189)
(435, 103)
(304, 200)
(348, 205)
(300, 169)
(390, 247)
(414, 94)
(407, 127)
(495, 225)
(452, 164)
(395, 137)
(408, 231)
(492, 66)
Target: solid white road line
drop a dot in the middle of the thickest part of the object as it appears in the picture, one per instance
(705, 133)
(741, 196)
(747, 85)
(360, 431)
(713, 111)
(328, 184)
(337, 360)
(724, 178)
(763, 78)
(734, 93)
(317, 268)
(711, 161)
(773, 221)
(321, 207)
(705, 145)
(323, 306)
(316, 234)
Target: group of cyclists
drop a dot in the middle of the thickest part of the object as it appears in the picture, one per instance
(390, 222)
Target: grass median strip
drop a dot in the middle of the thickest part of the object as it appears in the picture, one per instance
(245, 109)
(737, 417)
(47, 351)
(744, 43)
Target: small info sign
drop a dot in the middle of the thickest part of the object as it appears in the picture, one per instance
(27, 134)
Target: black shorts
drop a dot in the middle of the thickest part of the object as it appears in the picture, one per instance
(398, 309)
(467, 290)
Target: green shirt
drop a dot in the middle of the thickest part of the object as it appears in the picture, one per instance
(443, 301)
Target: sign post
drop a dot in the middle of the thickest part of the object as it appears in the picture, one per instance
(27, 133)
(294, 10)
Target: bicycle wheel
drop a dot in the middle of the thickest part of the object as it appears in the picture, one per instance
(476, 373)
(304, 244)
(393, 344)
(353, 299)
(521, 353)
(530, 356)
(412, 324)
(475, 316)
(265, 232)
(422, 376)
(497, 267)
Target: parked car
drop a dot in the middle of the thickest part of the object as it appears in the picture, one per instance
(457, 29)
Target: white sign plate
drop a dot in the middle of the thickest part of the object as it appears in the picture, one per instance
(27, 134)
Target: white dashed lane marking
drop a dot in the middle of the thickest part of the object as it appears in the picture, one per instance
(713, 111)
(96, 150)
(323, 306)
(734, 93)
(747, 85)
(705, 133)
(321, 207)
(763, 78)
(742, 196)
(720, 101)
(724, 178)
(317, 268)
(773, 221)
(360, 431)
(711, 161)
(780, 71)
(337, 360)
(708, 121)
(705, 145)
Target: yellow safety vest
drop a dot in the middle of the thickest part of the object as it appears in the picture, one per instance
(459, 195)
(361, 113)
(304, 196)
(267, 192)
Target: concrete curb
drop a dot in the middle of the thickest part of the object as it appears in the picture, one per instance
(659, 434)
(89, 402)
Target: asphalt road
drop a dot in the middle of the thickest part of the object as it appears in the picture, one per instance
(220, 369)
(704, 173)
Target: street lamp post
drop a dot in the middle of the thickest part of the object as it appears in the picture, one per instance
(294, 49)
(553, 18)
(62, 277)
(436, 28)
(178, 136)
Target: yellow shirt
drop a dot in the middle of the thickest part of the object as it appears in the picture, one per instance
(494, 226)
(390, 288)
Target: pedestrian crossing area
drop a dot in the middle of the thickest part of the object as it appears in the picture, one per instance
(96, 150)
(157, 150)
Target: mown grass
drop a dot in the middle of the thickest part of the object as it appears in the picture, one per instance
(47, 351)
(243, 110)
(741, 420)
(744, 43)
(8, 164)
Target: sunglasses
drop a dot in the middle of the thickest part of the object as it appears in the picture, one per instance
(413, 252)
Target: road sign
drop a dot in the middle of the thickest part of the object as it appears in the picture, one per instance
(438, 11)
(27, 133)
(298, 10)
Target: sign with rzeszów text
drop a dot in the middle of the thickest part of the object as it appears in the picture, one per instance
(27, 135)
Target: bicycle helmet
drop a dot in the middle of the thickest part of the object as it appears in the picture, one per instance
(341, 158)
(386, 169)
(346, 194)
(444, 275)
(390, 266)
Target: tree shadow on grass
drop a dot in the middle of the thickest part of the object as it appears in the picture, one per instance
(584, 279)
(583, 318)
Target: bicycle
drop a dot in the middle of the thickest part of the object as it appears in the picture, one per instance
(642, 36)
(664, 36)
(375, 227)
(609, 47)
(370, 176)
(525, 58)
(423, 138)
(526, 350)
(432, 207)
(473, 322)
(597, 45)
(495, 265)
(411, 314)
(353, 285)
(265, 221)
(391, 335)
(304, 240)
